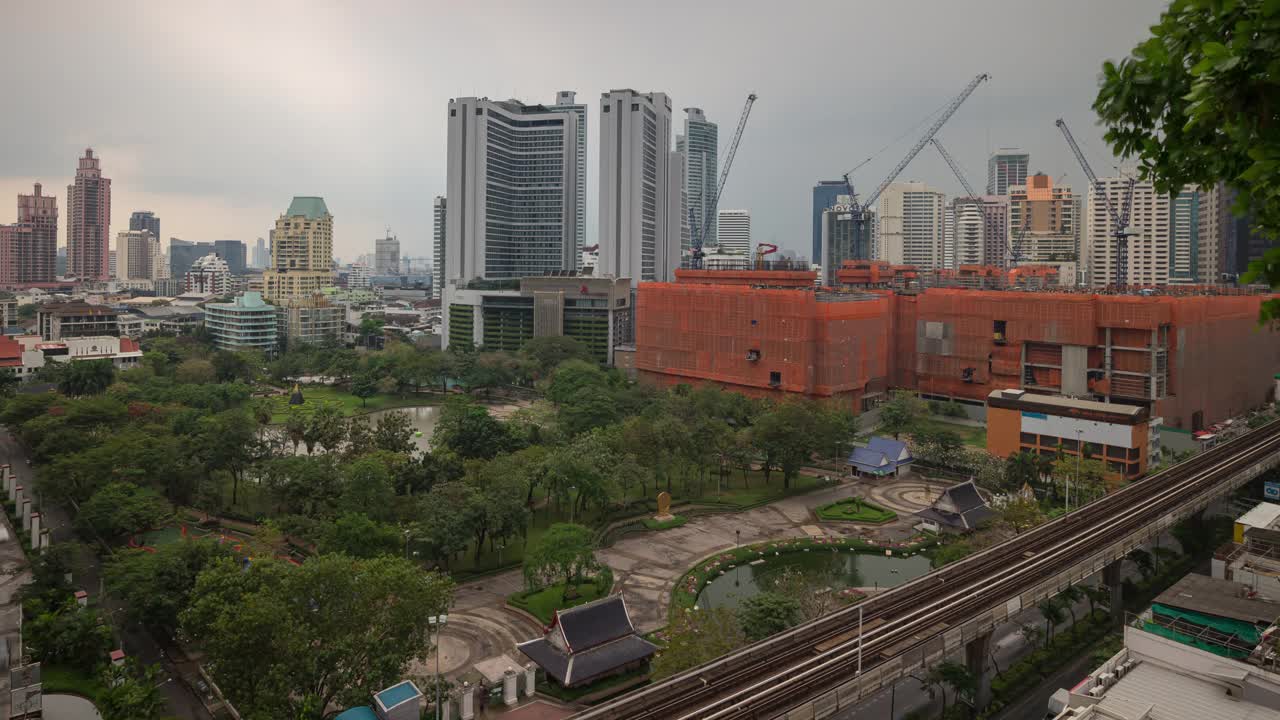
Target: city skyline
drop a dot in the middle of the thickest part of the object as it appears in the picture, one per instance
(372, 165)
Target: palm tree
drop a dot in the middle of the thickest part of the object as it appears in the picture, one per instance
(1051, 610)
(1142, 559)
(955, 676)
(1097, 594)
(1069, 596)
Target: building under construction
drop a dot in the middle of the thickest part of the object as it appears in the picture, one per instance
(1191, 359)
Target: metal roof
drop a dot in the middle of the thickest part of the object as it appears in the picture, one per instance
(1263, 515)
(313, 208)
(1152, 691)
(1222, 598)
(1022, 396)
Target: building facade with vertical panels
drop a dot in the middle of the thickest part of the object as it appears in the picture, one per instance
(700, 144)
(1148, 249)
(911, 219)
(301, 252)
(567, 100)
(386, 255)
(1006, 168)
(439, 226)
(734, 228)
(145, 220)
(512, 190)
(235, 253)
(35, 255)
(138, 256)
(1046, 217)
(635, 140)
(89, 221)
(969, 233)
(1184, 237)
(840, 240)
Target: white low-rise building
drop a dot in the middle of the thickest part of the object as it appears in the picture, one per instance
(23, 355)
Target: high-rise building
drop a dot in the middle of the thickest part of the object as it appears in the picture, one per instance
(137, 256)
(700, 144)
(386, 255)
(301, 252)
(111, 265)
(261, 258)
(145, 220)
(842, 238)
(89, 221)
(232, 251)
(678, 202)
(734, 232)
(995, 230)
(60, 262)
(825, 195)
(969, 233)
(1148, 249)
(439, 226)
(184, 253)
(512, 190)
(635, 235)
(1228, 243)
(358, 276)
(246, 322)
(209, 274)
(35, 254)
(567, 100)
(1005, 168)
(911, 219)
(1184, 237)
(1045, 216)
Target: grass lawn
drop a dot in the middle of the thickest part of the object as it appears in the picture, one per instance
(63, 679)
(972, 436)
(674, 522)
(855, 510)
(543, 603)
(316, 396)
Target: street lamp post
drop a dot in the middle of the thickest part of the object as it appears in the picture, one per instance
(406, 543)
(436, 622)
(572, 502)
(737, 543)
(1079, 454)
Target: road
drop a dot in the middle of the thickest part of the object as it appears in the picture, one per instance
(136, 642)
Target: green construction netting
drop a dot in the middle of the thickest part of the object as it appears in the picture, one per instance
(1247, 632)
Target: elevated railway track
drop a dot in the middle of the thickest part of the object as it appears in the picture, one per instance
(811, 671)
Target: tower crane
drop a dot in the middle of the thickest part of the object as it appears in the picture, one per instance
(700, 237)
(955, 168)
(859, 211)
(1119, 217)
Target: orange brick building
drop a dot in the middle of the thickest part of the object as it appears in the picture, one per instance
(1189, 359)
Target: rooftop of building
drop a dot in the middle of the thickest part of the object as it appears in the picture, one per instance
(1223, 598)
(1022, 397)
(76, 307)
(312, 208)
(401, 692)
(251, 300)
(1263, 515)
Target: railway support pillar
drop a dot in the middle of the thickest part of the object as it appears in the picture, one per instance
(975, 658)
(1114, 580)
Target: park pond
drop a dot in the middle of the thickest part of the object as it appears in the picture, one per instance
(825, 568)
(423, 419)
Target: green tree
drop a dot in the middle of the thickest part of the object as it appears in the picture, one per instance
(1051, 610)
(903, 413)
(1069, 596)
(445, 520)
(357, 535)
(324, 428)
(1097, 595)
(768, 613)
(367, 488)
(952, 675)
(122, 509)
(331, 631)
(195, 371)
(67, 635)
(155, 587)
(1142, 560)
(131, 692)
(545, 354)
(364, 385)
(564, 554)
(469, 430)
(1021, 514)
(1196, 103)
(85, 377)
(695, 637)
(394, 433)
(786, 436)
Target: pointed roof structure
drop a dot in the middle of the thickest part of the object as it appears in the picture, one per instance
(588, 642)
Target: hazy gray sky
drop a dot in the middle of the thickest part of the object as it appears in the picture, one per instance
(214, 115)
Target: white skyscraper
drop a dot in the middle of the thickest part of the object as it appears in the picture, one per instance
(636, 238)
(1148, 253)
(138, 255)
(700, 144)
(677, 204)
(969, 235)
(437, 246)
(566, 100)
(512, 190)
(734, 232)
(1005, 168)
(911, 218)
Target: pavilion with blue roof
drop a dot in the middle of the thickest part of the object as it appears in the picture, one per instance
(881, 457)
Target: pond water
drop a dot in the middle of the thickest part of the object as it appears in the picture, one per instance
(68, 707)
(422, 418)
(837, 570)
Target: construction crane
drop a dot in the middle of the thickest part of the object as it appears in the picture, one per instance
(1015, 250)
(761, 250)
(1119, 217)
(700, 237)
(860, 212)
(954, 167)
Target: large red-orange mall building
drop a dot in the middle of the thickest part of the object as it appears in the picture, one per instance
(1192, 359)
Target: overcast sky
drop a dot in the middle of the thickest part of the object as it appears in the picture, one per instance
(214, 115)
